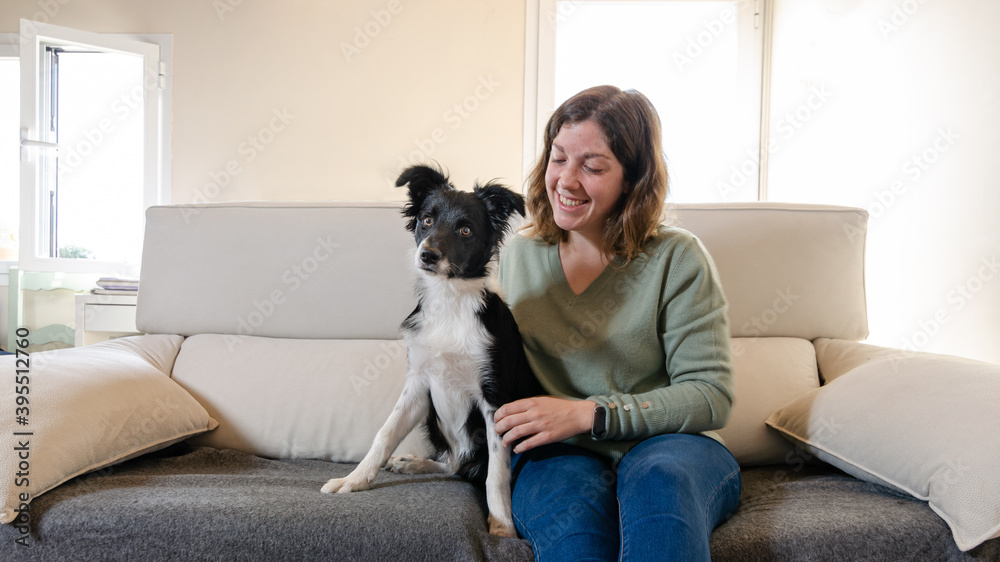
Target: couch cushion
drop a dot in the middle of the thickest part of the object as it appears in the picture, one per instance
(286, 398)
(285, 270)
(924, 424)
(803, 512)
(208, 504)
(767, 374)
(787, 269)
(87, 408)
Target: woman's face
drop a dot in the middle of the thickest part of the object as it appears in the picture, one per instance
(583, 179)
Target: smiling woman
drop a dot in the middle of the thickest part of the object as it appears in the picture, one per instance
(624, 323)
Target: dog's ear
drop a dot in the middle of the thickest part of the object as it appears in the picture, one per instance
(501, 203)
(422, 180)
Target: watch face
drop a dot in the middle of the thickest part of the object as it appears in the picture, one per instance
(600, 417)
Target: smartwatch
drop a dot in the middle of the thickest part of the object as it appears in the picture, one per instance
(599, 430)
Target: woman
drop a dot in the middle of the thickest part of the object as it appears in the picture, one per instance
(624, 324)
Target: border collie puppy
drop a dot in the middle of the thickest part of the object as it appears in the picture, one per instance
(465, 353)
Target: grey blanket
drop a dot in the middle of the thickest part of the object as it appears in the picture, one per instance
(208, 504)
(212, 504)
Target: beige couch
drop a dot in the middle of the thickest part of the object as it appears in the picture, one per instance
(272, 356)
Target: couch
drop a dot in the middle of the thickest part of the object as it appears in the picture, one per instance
(271, 356)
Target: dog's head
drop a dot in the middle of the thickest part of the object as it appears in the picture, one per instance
(457, 232)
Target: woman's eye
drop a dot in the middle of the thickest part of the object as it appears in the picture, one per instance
(428, 221)
(465, 231)
(592, 170)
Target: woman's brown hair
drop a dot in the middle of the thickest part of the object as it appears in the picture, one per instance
(631, 127)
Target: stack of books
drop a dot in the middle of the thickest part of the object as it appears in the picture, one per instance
(116, 286)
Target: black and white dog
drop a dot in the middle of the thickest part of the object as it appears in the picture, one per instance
(465, 353)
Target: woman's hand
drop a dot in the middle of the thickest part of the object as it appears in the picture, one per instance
(543, 420)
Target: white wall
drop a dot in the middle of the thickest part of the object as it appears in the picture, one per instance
(321, 100)
(908, 127)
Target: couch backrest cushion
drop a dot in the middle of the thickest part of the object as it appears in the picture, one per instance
(788, 270)
(284, 270)
(343, 270)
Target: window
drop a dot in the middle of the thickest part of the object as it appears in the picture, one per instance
(93, 147)
(9, 115)
(699, 62)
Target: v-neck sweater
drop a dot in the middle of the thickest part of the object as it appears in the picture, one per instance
(649, 340)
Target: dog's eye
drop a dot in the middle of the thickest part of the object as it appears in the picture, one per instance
(428, 221)
(465, 231)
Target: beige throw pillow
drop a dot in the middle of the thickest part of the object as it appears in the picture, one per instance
(87, 408)
(928, 425)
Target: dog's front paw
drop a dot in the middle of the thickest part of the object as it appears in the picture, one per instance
(501, 529)
(345, 485)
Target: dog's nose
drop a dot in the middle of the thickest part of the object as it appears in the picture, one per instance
(429, 256)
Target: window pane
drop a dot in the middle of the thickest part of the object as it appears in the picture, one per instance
(100, 132)
(684, 56)
(9, 164)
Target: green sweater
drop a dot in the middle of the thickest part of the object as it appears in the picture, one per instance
(649, 341)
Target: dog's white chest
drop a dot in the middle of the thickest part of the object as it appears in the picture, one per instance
(449, 348)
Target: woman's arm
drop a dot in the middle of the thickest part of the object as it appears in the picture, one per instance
(694, 331)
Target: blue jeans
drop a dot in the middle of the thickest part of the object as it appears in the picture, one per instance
(661, 503)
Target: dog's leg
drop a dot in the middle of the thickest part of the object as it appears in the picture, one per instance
(413, 405)
(501, 518)
(411, 464)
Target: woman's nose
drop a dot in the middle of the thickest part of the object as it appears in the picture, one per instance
(568, 178)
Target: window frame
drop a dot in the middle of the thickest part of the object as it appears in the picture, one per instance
(9, 49)
(541, 19)
(156, 50)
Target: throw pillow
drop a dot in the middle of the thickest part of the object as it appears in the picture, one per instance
(927, 425)
(87, 408)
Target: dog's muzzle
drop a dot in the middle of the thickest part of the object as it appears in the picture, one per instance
(431, 259)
